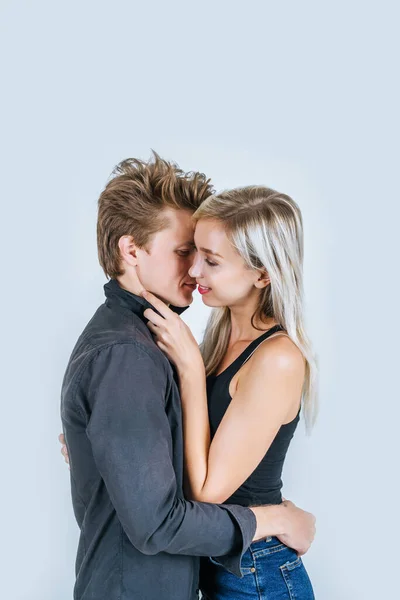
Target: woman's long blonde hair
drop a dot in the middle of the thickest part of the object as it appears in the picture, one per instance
(266, 229)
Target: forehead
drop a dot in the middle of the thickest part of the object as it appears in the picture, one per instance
(210, 233)
(180, 228)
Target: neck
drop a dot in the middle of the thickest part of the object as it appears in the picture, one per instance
(131, 283)
(241, 327)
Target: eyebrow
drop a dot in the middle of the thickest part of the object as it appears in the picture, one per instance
(208, 251)
(188, 243)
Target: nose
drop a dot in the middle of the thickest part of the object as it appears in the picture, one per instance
(195, 269)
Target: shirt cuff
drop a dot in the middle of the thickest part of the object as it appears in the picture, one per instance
(247, 522)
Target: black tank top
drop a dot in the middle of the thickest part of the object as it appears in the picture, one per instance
(265, 483)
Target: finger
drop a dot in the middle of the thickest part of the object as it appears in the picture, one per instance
(64, 452)
(162, 347)
(153, 317)
(162, 308)
(153, 328)
(61, 438)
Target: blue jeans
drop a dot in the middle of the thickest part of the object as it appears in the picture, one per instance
(271, 571)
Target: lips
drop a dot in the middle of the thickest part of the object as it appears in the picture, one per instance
(192, 286)
(203, 290)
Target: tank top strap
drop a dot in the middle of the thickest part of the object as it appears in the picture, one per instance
(252, 347)
(247, 352)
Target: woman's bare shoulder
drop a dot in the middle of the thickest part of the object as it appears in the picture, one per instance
(278, 352)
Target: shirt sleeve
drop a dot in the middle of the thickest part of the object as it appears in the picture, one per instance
(133, 448)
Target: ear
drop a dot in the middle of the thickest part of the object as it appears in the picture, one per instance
(263, 279)
(128, 250)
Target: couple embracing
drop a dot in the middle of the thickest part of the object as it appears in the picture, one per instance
(176, 451)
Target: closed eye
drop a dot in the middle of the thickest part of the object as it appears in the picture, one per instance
(184, 252)
(211, 263)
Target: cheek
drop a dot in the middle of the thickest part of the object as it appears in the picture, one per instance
(153, 270)
(170, 269)
(230, 285)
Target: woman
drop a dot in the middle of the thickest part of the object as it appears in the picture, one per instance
(243, 390)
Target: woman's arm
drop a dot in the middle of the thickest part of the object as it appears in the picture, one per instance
(196, 430)
(266, 393)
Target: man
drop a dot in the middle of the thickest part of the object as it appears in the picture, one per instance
(121, 412)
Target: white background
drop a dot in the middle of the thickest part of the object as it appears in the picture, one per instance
(300, 96)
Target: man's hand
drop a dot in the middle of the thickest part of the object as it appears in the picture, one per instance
(64, 450)
(299, 531)
(291, 525)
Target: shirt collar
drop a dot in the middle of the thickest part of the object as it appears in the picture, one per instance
(115, 294)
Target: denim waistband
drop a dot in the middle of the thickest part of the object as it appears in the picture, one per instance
(266, 542)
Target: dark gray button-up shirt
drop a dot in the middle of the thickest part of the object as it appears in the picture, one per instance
(121, 415)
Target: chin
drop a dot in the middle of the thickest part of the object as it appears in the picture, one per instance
(212, 302)
(207, 302)
(182, 300)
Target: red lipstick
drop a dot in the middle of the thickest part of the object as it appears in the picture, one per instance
(203, 290)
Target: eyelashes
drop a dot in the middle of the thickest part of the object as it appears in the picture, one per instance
(186, 253)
